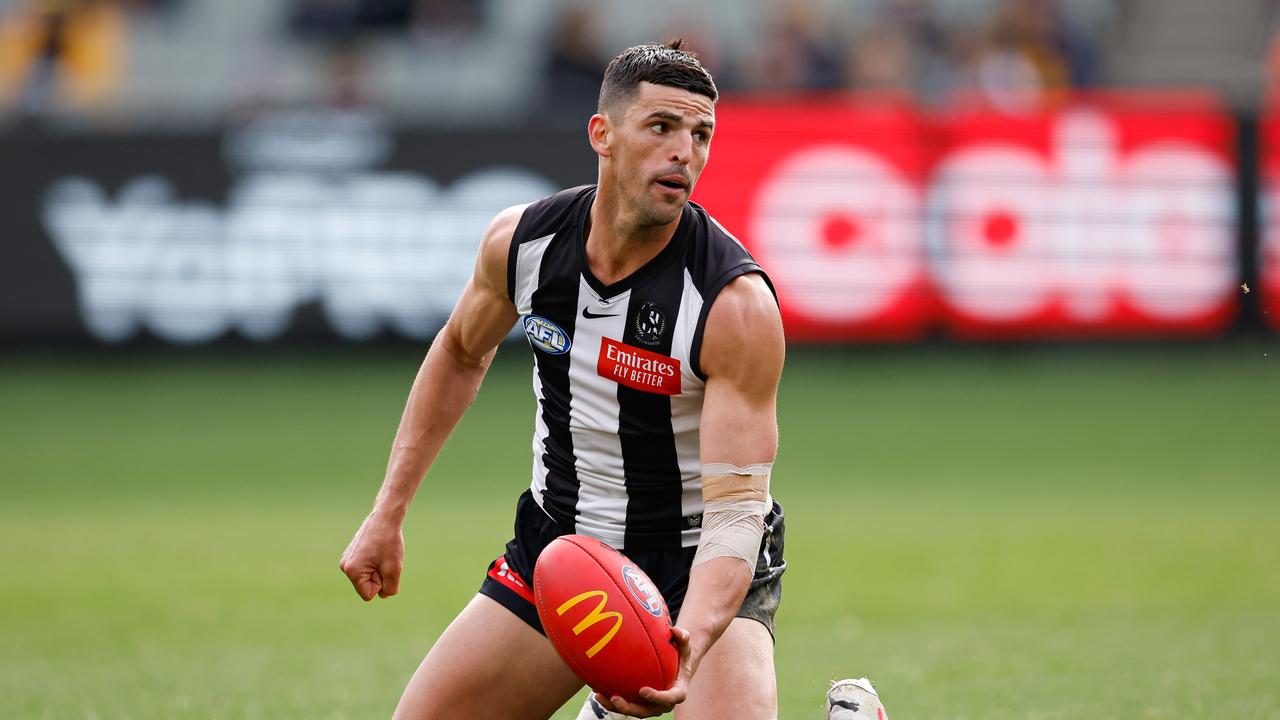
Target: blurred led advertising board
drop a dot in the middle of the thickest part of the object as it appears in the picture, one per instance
(1108, 217)
(294, 225)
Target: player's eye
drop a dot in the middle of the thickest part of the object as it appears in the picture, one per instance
(659, 127)
(701, 136)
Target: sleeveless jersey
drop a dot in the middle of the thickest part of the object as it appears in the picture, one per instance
(616, 374)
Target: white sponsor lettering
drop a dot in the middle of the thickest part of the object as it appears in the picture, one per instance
(1088, 229)
(838, 229)
(1011, 231)
(505, 572)
(632, 360)
(376, 250)
(1005, 231)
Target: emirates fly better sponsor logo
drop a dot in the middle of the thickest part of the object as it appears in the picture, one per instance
(637, 368)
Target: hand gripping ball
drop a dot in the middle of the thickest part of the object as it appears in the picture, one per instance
(605, 617)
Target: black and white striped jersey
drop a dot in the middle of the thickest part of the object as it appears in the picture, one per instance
(616, 375)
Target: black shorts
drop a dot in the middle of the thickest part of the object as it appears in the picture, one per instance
(509, 580)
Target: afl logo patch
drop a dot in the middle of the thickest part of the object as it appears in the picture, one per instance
(650, 324)
(643, 591)
(546, 335)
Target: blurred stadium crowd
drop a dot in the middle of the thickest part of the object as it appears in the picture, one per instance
(193, 63)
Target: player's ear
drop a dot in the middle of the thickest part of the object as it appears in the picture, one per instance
(600, 133)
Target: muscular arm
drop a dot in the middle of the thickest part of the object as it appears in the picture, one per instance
(742, 355)
(444, 388)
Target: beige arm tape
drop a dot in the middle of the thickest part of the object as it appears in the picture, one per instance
(736, 499)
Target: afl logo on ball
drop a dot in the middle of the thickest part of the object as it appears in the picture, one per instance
(643, 590)
(650, 324)
(546, 335)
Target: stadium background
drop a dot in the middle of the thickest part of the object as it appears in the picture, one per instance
(1023, 249)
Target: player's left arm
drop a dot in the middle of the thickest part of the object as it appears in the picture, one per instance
(742, 356)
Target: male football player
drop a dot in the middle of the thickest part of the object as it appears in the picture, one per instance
(657, 348)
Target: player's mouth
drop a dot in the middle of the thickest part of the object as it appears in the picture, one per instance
(674, 183)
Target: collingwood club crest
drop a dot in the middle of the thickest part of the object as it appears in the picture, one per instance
(650, 324)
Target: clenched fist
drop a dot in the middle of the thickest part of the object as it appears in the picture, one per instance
(373, 559)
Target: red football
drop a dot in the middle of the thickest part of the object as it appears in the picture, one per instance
(605, 617)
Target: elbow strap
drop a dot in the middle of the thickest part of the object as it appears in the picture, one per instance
(722, 481)
(736, 499)
(731, 529)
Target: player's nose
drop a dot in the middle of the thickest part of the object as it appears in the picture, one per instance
(682, 148)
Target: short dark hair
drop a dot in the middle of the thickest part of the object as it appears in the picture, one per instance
(666, 64)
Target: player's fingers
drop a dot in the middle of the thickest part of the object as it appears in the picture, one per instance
(606, 704)
(681, 638)
(349, 551)
(640, 710)
(656, 702)
(369, 584)
(617, 705)
(359, 577)
(390, 580)
(668, 698)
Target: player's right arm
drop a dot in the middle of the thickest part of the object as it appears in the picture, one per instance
(444, 388)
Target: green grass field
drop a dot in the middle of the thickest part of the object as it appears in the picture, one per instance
(1009, 533)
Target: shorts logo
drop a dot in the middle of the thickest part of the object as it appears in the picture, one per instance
(505, 571)
(642, 590)
(638, 368)
(650, 324)
(593, 617)
(546, 335)
(502, 573)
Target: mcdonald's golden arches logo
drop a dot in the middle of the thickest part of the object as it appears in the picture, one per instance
(593, 617)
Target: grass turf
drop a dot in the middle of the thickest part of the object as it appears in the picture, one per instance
(1021, 533)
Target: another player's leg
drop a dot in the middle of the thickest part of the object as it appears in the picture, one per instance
(854, 699)
(488, 665)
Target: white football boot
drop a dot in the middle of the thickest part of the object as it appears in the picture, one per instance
(591, 710)
(854, 700)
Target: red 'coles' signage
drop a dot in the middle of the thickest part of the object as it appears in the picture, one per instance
(638, 368)
(827, 197)
(1112, 215)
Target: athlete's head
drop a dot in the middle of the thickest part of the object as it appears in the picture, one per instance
(652, 128)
